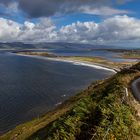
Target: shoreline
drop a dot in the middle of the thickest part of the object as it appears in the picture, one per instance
(74, 62)
(37, 128)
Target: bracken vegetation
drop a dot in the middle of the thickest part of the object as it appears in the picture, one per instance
(104, 111)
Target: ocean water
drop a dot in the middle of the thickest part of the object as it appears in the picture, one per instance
(29, 87)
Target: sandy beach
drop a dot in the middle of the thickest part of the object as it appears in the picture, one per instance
(74, 62)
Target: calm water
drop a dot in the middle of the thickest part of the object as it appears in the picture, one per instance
(29, 87)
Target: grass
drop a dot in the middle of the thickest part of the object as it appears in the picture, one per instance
(102, 111)
(36, 53)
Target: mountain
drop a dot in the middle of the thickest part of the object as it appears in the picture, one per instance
(58, 45)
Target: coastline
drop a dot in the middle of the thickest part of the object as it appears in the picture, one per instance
(89, 101)
(74, 62)
(69, 65)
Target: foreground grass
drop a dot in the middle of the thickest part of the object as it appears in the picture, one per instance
(103, 111)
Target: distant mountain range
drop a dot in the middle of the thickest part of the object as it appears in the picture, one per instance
(57, 45)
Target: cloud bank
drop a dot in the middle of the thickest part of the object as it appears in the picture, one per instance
(115, 29)
(47, 8)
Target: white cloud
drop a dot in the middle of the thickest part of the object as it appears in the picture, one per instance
(120, 28)
(43, 31)
(103, 10)
(9, 30)
(79, 31)
(117, 29)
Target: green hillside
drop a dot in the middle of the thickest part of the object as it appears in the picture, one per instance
(104, 111)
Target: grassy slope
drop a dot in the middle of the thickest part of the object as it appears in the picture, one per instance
(103, 111)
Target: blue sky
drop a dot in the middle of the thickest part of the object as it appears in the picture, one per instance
(132, 6)
(90, 21)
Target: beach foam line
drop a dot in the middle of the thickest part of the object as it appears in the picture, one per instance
(74, 62)
(58, 103)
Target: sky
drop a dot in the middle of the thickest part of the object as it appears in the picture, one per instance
(79, 21)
